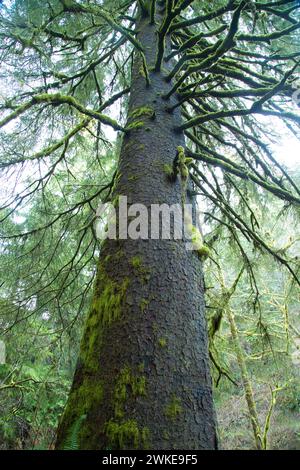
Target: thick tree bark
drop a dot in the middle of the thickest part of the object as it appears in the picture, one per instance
(142, 379)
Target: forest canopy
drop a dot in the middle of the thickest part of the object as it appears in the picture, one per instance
(161, 101)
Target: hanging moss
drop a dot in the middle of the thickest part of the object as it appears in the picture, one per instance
(127, 383)
(204, 252)
(169, 171)
(89, 393)
(122, 433)
(174, 408)
(126, 435)
(142, 72)
(107, 306)
(145, 438)
(180, 166)
(181, 162)
(201, 249)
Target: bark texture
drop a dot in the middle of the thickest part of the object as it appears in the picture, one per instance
(142, 379)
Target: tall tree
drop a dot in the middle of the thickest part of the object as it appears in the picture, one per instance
(200, 82)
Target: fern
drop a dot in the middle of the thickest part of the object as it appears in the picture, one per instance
(71, 442)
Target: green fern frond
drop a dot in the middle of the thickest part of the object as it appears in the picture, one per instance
(71, 442)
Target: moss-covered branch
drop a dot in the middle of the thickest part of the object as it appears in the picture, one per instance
(58, 99)
(50, 149)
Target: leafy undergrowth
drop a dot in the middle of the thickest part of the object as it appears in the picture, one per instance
(31, 406)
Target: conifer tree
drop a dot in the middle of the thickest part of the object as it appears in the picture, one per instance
(192, 84)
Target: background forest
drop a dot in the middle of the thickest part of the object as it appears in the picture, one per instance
(49, 250)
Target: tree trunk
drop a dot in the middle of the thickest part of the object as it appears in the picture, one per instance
(142, 379)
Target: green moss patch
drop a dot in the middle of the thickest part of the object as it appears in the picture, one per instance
(174, 408)
(126, 435)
